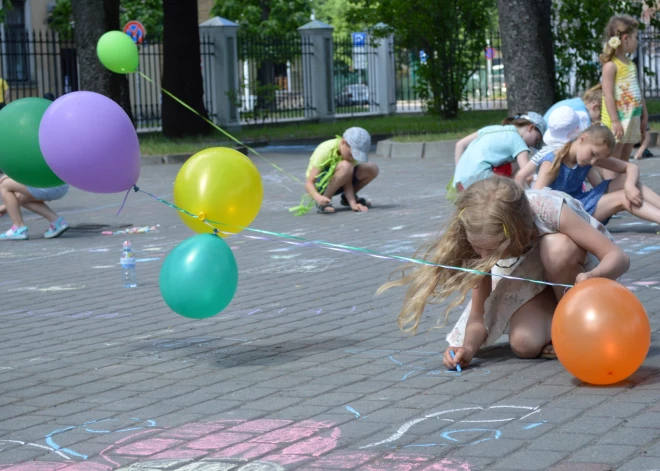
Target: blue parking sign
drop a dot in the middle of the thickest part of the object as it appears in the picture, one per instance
(359, 39)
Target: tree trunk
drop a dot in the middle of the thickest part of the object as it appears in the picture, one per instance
(182, 71)
(529, 63)
(93, 18)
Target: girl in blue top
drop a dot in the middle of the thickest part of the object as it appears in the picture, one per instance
(566, 169)
(481, 153)
(587, 107)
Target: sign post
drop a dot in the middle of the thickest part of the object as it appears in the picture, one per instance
(359, 52)
(137, 33)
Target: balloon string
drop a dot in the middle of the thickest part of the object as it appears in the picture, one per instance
(123, 202)
(300, 241)
(190, 108)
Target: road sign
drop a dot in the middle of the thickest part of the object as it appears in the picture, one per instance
(490, 53)
(359, 51)
(136, 31)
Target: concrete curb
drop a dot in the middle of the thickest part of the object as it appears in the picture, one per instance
(416, 150)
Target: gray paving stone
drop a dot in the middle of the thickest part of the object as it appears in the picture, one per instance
(640, 463)
(608, 454)
(562, 442)
(630, 436)
(646, 420)
(528, 460)
(490, 448)
(585, 424)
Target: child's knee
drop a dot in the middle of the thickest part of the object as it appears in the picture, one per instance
(559, 254)
(373, 169)
(525, 344)
(344, 167)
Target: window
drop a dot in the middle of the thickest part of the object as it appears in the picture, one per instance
(16, 37)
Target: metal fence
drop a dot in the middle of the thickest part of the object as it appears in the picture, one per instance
(648, 61)
(40, 63)
(271, 79)
(36, 64)
(146, 97)
(354, 84)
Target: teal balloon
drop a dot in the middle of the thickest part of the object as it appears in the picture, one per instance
(199, 277)
(20, 155)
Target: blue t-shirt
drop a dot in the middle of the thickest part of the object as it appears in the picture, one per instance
(494, 146)
(575, 104)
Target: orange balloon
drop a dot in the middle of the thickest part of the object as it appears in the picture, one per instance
(601, 332)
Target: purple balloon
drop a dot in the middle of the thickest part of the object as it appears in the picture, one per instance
(89, 142)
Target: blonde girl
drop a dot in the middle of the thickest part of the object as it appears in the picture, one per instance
(500, 228)
(623, 109)
(566, 169)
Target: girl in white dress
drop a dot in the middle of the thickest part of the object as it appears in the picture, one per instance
(500, 228)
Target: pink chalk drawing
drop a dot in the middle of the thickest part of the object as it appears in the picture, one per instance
(222, 445)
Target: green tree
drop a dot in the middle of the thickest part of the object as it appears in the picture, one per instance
(336, 14)
(148, 12)
(578, 38)
(265, 17)
(450, 32)
(6, 5)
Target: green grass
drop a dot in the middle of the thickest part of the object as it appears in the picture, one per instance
(653, 106)
(417, 126)
(445, 136)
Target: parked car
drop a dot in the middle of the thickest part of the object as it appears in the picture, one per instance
(356, 94)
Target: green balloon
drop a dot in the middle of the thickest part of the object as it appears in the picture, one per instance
(20, 155)
(199, 277)
(117, 52)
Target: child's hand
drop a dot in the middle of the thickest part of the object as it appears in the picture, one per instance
(462, 357)
(617, 129)
(582, 277)
(323, 200)
(633, 195)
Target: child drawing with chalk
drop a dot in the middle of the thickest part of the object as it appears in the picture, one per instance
(493, 149)
(339, 167)
(567, 168)
(499, 229)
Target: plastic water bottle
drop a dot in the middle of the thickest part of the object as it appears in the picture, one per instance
(128, 275)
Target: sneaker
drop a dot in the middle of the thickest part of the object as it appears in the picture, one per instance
(56, 228)
(15, 233)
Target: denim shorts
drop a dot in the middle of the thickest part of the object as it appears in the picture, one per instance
(48, 194)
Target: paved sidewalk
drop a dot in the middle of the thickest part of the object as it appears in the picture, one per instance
(306, 369)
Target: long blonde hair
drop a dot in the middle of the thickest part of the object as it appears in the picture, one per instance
(617, 26)
(495, 208)
(593, 95)
(596, 133)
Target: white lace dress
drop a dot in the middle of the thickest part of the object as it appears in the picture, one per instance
(509, 295)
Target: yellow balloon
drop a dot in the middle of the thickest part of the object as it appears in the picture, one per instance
(218, 184)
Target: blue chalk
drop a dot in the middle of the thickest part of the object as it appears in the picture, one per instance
(458, 367)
